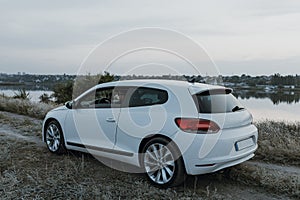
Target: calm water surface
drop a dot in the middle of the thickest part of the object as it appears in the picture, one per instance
(262, 109)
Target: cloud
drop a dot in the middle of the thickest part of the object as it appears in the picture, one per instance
(61, 33)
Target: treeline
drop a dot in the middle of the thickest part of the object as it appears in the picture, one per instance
(273, 80)
(33, 81)
(277, 79)
(276, 98)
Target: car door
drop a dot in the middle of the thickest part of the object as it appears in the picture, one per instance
(141, 114)
(93, 120)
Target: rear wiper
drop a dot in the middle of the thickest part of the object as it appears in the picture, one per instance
(236, 108)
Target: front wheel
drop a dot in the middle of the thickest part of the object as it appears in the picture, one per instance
(163, 163)
(54, 138)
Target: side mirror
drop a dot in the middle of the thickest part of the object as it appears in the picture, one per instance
(69, 104)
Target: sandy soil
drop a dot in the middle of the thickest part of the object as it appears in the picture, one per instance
(29, 171)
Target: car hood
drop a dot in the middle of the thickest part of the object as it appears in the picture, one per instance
(60, 108)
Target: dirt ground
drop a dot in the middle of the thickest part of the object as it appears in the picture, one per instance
(30, 171)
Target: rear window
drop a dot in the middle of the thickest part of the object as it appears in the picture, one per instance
(217, 101)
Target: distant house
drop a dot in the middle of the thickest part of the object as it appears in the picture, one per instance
(289, 86)
(269, 88)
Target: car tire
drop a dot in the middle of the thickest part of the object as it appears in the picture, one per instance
(54, 138)
(163, 163)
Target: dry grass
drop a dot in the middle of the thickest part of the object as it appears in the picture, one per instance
(25, 125)
(42, 175)
(24, 107)
(272, 180)
(279, 142)
(31, 172)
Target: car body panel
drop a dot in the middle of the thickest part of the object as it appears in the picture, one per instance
(59, 114)
(216, 149)
(94, 127)
(229, 120)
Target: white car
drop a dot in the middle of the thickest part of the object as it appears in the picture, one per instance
(167, 128)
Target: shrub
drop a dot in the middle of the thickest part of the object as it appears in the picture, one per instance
(21, 94)
(45, 98)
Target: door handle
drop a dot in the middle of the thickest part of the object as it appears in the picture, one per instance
(110, 119)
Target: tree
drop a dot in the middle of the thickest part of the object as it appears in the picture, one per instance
(64, 92)
(83, 83)
(106, 77)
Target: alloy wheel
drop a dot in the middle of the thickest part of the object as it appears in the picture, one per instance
(53, 137)
(159, 163)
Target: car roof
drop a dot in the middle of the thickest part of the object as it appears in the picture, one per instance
(159, 84)
(163, 82)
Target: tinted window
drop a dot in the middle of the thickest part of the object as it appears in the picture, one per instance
(147, 96)
(216, 102)
(100, 98)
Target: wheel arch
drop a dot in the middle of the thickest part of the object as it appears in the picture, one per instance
(46, 124)
(150, 137)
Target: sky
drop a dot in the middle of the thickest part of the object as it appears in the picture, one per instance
(253, 37)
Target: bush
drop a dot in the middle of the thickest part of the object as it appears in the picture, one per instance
(45, 98)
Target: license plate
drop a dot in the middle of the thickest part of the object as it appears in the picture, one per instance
(243, 144)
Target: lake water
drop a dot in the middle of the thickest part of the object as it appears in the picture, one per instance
(261, 108)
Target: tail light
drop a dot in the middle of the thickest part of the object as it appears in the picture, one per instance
(194, 125)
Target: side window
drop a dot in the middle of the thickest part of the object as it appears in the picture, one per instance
(100, 98)
(143, 96)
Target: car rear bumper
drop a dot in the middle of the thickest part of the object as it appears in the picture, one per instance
(212, 152)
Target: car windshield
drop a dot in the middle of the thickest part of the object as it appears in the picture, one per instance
(221, 101)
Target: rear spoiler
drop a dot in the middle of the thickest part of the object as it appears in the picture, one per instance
(206, 90)
(215, 91)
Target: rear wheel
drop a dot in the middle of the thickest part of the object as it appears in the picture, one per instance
(163, 163)
(54, 138)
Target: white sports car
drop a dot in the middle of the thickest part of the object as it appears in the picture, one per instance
(167, 128)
